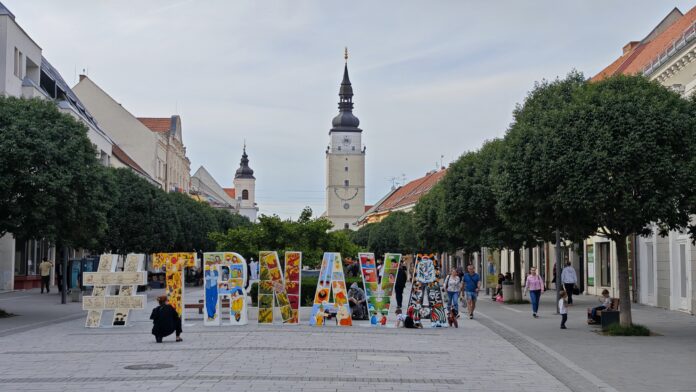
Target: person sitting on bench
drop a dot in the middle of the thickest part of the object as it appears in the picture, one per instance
(605, 299)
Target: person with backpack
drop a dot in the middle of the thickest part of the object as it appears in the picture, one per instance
(453, 285)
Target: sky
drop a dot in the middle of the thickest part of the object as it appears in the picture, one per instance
(432, 80)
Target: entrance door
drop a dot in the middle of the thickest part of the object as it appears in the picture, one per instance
(648, 266)
(680, 261)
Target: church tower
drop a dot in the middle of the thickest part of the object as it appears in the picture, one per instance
(245, 188)
(345, 162)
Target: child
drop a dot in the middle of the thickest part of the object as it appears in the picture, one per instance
(563, 309)
(452, 319)
(383, 320)
(605, 299)
(374, 320)
(412, 318)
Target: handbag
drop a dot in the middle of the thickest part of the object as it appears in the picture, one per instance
(576, 290)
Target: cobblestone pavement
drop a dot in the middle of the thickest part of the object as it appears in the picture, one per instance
(66, 356)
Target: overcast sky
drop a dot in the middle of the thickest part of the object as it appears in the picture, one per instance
(430, 78)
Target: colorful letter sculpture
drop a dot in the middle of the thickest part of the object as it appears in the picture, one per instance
(331, 277)
(105, 277)
(272, 285)
(293, 286)
(426, 295)
(225, 274)
(174, 264)
(378, 292)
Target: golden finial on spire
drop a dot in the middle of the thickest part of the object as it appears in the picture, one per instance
(345, 55)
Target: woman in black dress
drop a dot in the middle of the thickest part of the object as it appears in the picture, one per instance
(165, 320)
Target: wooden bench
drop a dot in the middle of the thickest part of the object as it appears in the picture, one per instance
(605, 321)
(201, 304)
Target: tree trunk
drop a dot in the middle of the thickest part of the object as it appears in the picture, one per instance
(516, 277)
(624, 286)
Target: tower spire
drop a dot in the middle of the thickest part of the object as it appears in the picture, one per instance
(345, 121)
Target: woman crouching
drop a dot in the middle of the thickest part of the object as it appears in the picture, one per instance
(165, 320)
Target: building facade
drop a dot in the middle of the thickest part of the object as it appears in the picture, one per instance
(345, 163)
(171, 153)
(664, 268)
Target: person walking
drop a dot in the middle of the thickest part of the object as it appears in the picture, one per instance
(570, 280)
(45, 271)
(535, 286)
(453, 285)
(165, 320)
(472, 284)
(563, 309)
(400, 283)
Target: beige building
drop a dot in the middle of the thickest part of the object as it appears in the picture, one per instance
(155, 145)
(345, 164)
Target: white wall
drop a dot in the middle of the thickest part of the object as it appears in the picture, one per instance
(12, 36)
(7, 256)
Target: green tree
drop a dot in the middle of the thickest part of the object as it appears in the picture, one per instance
(615, 156)
(429, 222)
(52, 184)
(471, 217)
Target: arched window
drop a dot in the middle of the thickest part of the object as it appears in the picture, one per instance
(345, 226)
(245, 195)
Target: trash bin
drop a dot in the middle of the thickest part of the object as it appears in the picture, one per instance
(75, 295)
(508, 290)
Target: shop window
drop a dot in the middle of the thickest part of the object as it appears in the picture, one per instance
(682, 269)
(604, 255)
(651, 267)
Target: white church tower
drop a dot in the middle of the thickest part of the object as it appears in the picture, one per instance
(245, 188)
(345, 163)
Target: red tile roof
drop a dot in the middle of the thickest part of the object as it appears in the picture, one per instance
(157, 124)
(367, 208)
(410, 193)
(643, 54)
(126, 159)
(230, 192)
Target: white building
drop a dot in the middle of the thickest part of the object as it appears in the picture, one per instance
(345, 163)
(244, 191)
(25, 73)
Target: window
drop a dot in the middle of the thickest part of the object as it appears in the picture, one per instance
(353, 148)
(345, 168)
(345, 226)
(18, 63)
(346, 183)
(245, 195)
(339, 148)
(651, 267)
(604, 256)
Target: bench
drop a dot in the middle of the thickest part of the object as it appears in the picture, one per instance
(201, 303)
(605, 317)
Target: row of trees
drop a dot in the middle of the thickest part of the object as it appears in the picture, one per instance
(614, 157)
(309, 235)
(54, 187)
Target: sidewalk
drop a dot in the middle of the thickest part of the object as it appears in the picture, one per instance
(665, 362)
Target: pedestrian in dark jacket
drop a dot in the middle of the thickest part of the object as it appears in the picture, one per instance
(400, 283)
(165, 320)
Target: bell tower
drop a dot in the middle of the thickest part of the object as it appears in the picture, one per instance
(345, 162)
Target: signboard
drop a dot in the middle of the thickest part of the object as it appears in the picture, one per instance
(272, 286)
(107, 263)
(331, 277)
(174, 264)
(114, 278)
(293, 286)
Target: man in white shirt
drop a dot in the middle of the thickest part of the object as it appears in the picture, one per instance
(569, 279)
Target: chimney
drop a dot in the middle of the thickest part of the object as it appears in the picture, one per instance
(82, 76)
(630, 46)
